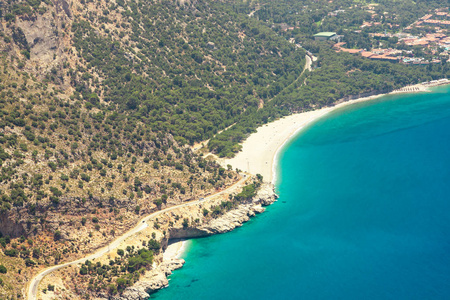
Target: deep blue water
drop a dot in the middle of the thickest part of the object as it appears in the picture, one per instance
(363, 213)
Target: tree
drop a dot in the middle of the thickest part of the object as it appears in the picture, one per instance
(94, 99)
(3, 269)
(36, 252)
(122, 283)
(158, 203)
(83, 270)
(57, 235)
(153, 245)
(120, 252)
(132, 102)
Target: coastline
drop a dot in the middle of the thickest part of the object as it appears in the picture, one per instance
(177, 237)
(261, 149)
(260, 153)
(271, 138)
(175, 250)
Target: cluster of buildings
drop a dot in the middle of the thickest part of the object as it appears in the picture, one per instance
(431, 39)
(336, 12)
(376, 18)
(440, 19)
(435, 43)
(392, 55)
(370, 24)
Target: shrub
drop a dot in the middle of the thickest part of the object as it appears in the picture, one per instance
(11, 252)
(29, 262)
(85, 177)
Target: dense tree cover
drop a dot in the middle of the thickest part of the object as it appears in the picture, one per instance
(337, 76)
(149, 77)
(81, 168)
(189, 70)
(310, 17)
(96, 142)
(343, 74)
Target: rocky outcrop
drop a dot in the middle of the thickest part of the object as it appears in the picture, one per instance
(266, 195)
(232, 219)
(243, 213)
(151, 281)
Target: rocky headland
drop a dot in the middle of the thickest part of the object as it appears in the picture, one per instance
(156, 278)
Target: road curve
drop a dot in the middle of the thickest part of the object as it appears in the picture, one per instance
(34, 283)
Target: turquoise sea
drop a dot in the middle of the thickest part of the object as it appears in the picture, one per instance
(363, 213)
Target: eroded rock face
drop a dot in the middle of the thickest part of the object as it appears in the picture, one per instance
(266, 194)
(41, 37)
(12, 224)
(230, 220)
(44, 36)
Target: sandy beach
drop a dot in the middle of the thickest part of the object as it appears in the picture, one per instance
(174, 250)
(260, 149)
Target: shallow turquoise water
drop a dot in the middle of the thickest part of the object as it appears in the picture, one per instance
(363, 213)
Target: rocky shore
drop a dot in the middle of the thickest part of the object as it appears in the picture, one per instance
(156, 278)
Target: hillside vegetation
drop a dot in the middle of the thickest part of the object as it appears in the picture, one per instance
(97, 102)
(101, 99)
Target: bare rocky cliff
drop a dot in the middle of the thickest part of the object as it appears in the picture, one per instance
(44, 35)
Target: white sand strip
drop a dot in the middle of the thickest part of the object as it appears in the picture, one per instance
(259, 150)
(174, 250)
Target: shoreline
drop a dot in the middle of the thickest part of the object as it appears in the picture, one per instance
(175, 250)
(282, 131)
(179, 235)
(295, 124)
(260, 151)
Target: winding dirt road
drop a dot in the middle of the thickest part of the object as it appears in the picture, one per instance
(34, 283)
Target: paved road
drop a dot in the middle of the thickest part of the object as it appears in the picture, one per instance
(34, 283)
